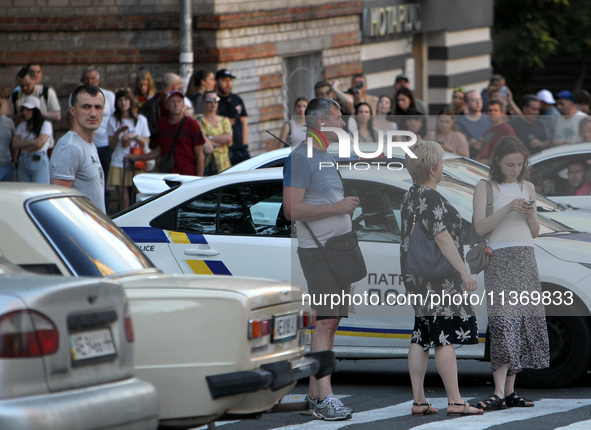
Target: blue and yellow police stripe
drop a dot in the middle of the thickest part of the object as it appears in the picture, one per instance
(156, 235)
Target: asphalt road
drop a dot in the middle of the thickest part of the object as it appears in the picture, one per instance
(379, 392)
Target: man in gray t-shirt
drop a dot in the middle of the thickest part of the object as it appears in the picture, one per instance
(75, 162)
(313, 193)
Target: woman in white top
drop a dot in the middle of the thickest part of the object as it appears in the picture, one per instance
(381, 120)
(32, 139)
(517, 330)
(447, 135)
(127, 133)
(362, 123)
(294, 131)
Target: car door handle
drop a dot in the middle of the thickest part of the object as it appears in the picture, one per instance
(204, 252)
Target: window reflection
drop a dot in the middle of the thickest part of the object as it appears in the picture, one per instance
(88, 241)
(377, 218)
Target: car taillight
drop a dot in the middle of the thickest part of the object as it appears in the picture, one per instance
(259, 328)
(308, 318)
(128, 324)
(27, 333)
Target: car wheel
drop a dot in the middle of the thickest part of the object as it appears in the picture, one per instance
(570, 353)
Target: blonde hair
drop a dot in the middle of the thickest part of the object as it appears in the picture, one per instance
(429, 154)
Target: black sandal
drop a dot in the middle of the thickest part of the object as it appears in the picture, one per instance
(515, 400)
(429, 409)
(493, 403)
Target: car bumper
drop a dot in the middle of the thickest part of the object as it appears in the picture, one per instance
(274, 375)
(126, 405)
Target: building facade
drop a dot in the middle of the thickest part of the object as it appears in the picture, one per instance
(277, 49)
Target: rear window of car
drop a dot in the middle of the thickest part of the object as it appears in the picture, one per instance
(88, 242)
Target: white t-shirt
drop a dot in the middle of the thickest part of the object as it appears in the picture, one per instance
(567, 128)
(46, 128)
(141, 129)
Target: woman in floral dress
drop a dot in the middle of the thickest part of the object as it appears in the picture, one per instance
(442, 326)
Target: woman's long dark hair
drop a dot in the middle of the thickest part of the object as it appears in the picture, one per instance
(508, 145)
(405, 92)
(132, 111)
(369, 123)
(35, 124)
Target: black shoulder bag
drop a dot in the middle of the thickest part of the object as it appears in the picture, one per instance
(342, 255)
(167, 160)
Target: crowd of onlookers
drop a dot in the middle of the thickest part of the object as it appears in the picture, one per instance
(206, 126)
(473, 122)
(143, 122)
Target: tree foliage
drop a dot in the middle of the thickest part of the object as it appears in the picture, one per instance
(529, 32)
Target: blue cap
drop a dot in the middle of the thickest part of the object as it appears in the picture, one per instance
(566, 95)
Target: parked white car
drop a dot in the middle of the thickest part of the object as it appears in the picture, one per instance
(234, 225)
(212, 346)
(66, 355)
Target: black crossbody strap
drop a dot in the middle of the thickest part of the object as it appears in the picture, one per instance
(314, 236)
(176, 137)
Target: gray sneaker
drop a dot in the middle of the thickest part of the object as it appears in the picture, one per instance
(332, 409)
(311, 405)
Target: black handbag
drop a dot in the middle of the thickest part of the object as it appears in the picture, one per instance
(424, 258)
(343, 257)
(210, 165)
(477, 257)
(167, 160)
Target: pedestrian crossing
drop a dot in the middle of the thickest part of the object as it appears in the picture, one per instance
(542, 408)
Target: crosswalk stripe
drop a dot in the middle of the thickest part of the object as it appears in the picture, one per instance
(581, 425)
(289, 398)
(481, 422)
(478, 422)
(371, 415)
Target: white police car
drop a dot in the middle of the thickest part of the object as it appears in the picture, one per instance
(233, 224)
(454, 166)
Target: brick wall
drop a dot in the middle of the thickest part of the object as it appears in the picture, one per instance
(121, 36)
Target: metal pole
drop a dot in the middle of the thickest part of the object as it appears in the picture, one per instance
(186, 42)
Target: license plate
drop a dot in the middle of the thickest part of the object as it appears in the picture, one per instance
(285, 327)
(91, 344)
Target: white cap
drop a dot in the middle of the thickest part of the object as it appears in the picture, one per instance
(31, 102)
(546, 97)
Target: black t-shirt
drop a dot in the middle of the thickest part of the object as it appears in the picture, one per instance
(232, 106)
(527, 132)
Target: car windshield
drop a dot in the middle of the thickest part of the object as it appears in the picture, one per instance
(460, 194)
(471, 172)
(466, 169)
(89, 243)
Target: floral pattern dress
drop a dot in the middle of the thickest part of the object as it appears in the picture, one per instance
(447, 322)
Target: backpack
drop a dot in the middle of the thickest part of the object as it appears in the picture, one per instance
(44, 95)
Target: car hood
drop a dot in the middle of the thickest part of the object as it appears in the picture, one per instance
(573, 247)
(577, 219)
(259, 292)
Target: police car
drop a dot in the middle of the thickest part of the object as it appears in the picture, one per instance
(454, 166)
(233, 224)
